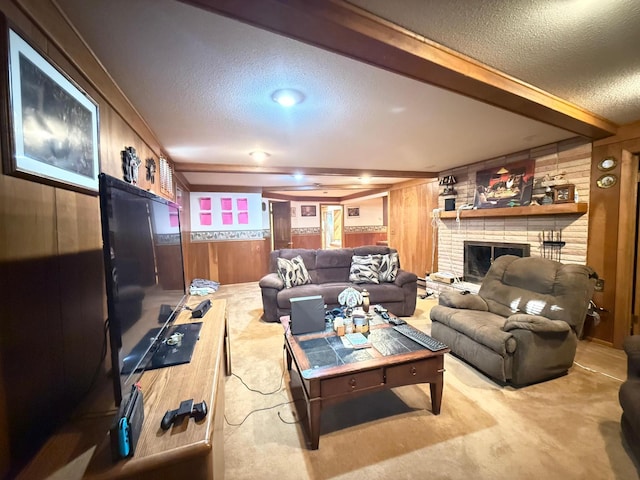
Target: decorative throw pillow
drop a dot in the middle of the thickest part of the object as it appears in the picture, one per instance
(389, 265)
(364, 269)
(293, 272)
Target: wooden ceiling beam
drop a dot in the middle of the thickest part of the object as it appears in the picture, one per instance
(303, 188)
(340, 27)
(192, 167)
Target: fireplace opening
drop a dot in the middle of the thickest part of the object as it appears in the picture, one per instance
(478, 257)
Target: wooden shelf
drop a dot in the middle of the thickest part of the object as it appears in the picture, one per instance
(555, 209)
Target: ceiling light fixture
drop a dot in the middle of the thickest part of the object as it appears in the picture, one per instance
(287, 97)
(259, 155)
(298, 176)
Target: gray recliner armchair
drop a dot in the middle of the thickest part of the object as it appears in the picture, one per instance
(629, 396)
(523, 325)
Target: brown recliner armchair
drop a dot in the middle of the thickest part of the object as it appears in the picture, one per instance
(523, 325)
(629, 396)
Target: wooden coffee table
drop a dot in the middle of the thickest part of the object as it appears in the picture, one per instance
(330, 373)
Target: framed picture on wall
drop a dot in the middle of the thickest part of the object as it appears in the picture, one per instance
(509, 185)
(353, 211)
(308, 210)
(52, 134)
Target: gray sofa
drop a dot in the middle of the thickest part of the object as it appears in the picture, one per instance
(629, 396)
(329, 272)
(523, 325)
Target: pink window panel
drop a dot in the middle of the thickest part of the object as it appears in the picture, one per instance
(205, 203)
(242, 204)
(205, 219)
(174, 220)
(243, 218)
(227, 218)
(226, 203)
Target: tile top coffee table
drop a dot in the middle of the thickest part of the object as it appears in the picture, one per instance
(330, 373)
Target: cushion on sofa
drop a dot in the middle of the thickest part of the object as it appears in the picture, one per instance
(293, 272)
(364, 269)
(389, 266)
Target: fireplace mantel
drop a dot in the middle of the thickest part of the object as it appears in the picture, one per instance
(554, 209)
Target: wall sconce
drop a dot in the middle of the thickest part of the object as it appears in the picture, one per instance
(448, 181)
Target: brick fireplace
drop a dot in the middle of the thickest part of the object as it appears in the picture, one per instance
(478, 256)
(569, 160)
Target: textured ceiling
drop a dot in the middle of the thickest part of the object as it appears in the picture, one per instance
(203, 83)
(584, 51)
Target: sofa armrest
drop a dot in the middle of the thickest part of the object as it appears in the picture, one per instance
(535, 323)
(458, 300)
(403, 277)
(632, 348)
(271, 280)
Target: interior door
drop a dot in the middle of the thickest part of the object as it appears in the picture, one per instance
(280, 225)
(331, 226)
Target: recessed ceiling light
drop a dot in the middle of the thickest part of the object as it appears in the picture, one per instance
(259, 155)
(287, 97)
(298, 176)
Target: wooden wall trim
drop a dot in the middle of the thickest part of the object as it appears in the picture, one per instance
(626, 247)
(339, 27)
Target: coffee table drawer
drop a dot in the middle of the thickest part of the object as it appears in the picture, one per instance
(352, 382)
(422, 371)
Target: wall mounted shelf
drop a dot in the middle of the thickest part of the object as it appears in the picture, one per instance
(555, 209)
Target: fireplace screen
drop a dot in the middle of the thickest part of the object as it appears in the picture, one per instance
(478, 257)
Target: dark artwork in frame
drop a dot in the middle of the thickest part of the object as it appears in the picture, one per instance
(353, 211)
(308, 210)
(52, 134)
(510, 185)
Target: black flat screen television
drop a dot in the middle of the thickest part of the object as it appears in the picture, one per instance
(144, 276)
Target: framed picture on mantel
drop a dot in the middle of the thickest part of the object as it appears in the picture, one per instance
(51, 133)
(564, 193)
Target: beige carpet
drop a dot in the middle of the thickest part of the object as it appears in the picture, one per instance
(567, 428)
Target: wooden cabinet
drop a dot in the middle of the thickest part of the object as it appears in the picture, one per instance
(191, 450)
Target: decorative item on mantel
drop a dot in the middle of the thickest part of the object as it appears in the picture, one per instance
(448, 181)
(552, 244)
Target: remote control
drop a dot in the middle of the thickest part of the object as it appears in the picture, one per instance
(396, 321)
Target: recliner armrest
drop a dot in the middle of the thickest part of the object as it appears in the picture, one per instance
(535, 323)
(271, 280)
(458, 300)
(632, 348)
(404, 277)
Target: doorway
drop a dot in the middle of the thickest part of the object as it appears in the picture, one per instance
(331, 226)
(280, 219)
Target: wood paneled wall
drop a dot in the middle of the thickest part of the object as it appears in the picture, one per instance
(612, 234)
(351, 240)
(52, 299)
(313, 241)
(228, 262)
(410, 231)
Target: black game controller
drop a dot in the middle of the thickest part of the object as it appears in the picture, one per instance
(186, 409)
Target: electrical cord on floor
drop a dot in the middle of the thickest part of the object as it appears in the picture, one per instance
(256, 410)
(265, 394)
(596, 371)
